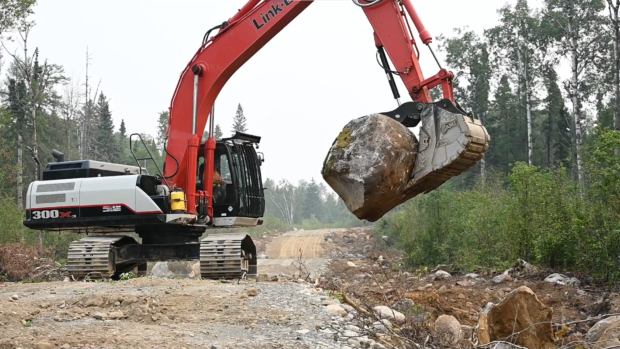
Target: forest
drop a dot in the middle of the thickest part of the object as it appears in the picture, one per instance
(545, 82)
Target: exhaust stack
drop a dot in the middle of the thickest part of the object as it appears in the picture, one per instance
(60, 157)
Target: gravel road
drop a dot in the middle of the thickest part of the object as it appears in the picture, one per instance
(164, 313)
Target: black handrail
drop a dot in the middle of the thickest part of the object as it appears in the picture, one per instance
(149, 158)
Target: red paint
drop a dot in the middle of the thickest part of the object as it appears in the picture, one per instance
(425, 36)
(246, 33)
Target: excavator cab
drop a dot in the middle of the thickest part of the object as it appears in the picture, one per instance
(239, 199)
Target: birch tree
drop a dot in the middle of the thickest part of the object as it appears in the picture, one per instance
(579, 24)
(521, 49)
(283, 197)
(613, 7)
(70, 108)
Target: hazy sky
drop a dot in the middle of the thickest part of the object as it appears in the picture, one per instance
(326, 72)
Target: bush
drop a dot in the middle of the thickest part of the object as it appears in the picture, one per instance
(532, 213)
(21, 262)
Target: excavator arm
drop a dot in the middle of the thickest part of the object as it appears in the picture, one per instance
(246, 33)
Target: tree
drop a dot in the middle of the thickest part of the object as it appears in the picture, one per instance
(579, 24)
(40, 81)
(558, 123)
(18, 114)
(520, 45)
(239, 122)
(106, 148)
(12, 12)
(614, 7)
(123, 148)
(70, 108)
(504, 126)
(87, 122)
(283, 196)
(162, 127)
(313, 202)
(217, 134)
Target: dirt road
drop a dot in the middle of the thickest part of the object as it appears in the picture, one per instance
(170, 313)
(158, 313)
(285, 252)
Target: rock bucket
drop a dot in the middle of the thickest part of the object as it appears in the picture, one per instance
(370, 164)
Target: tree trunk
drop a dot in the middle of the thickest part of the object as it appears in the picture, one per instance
(576, 106)
(483, 165)
(528, 107)
(616, 24)
(550, 142)
(35, 146)
(20, 173)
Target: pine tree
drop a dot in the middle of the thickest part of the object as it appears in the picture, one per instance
(313, 203)
(239, 122)
(122, 129)
(123, 148)
(217, 134)
(106, 148)
(558, 123)
(507, 129)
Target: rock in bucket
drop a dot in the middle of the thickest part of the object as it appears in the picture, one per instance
(370, 164)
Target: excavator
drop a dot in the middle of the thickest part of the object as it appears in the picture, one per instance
(115, 205)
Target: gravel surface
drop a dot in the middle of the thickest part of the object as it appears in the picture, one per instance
(165, 313)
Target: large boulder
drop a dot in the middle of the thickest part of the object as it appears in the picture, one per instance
(176, 270)
(384, 312)
(519, 312)
(596, 332)
(448, 330)
(370, 164)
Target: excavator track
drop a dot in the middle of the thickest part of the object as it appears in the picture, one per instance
(450, 144)
(94, 258)
(227, 256)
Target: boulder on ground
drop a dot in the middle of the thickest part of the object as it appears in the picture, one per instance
(370, 164)
(336, 309)
(596, 332)
(520, 311)
(441, 275)
(448, 330)
(384, 312)
(562, 280)
(176, 269)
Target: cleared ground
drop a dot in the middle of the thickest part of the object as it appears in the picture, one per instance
(287, 251)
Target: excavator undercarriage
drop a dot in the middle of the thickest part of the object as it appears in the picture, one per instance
(228, 256)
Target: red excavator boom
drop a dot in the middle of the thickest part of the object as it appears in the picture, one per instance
(240, 38)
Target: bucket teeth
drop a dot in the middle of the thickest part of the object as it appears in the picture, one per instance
(450, 143)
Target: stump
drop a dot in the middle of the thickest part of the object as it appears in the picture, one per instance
(370, 165)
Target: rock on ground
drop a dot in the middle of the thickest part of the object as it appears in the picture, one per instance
(336, 309)
(562, 280)
(497, 322)
(370, 164)
(441, 275)
(384, 312)
(498, 279)
(176, 269)
(596, 332)
(448, 330)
